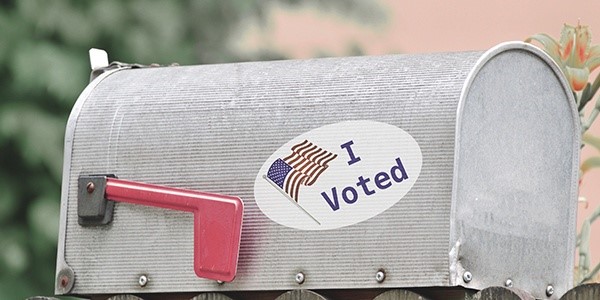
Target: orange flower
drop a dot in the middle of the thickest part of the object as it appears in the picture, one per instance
(573, 54)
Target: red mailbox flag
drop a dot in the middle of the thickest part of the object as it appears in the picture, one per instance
(217, 222)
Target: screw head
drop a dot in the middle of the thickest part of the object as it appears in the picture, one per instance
(299, 278)
(90, 187)
(143, 280)
(549, 290)
(467, 276)
(380, 276)
(508, 283)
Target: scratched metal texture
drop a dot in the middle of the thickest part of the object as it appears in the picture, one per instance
(211, 128)
(516, 179)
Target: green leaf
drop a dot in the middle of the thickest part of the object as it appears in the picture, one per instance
(14, 256)
(590, 163)
(8, 200)
(593, 89)
(591, 140)
(16, 287)
(586, 96)
(593, 60)
(13, 28)
(38, 134)
(59, 18)
(42, 216)
(551, 47)
(47, 68)
(109, 16)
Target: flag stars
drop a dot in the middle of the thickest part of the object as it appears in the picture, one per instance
(278, 171)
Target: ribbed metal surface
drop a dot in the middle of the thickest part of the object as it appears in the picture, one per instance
(211, 128)
(211, 296)
(300, 295)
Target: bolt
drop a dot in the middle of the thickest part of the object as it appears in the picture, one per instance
(64, 281)
(299, 278)
(508, 283)
(90, 187)
(380, 276)
(143, 280)
(467, 277)
(549, 290)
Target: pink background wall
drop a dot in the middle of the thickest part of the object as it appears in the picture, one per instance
(432, 26)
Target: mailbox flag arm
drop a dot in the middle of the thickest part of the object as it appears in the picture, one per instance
(217, 221)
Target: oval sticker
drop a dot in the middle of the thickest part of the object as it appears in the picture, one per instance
(338, 175)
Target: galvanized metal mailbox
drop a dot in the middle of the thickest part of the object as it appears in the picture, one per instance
(433, 170)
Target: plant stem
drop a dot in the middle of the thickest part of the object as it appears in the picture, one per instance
(584, 248)
(590, 120)
(583, 242)
(586, 125)
(595, 215)
(591, 274)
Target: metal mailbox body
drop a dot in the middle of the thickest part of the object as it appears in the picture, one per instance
(495, 197)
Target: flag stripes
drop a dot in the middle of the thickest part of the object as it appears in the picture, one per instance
(308, 162)
(302, 167)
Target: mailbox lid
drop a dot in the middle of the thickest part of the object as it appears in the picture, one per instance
(516, 174)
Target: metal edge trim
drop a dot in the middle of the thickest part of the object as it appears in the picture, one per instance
(68, 147)
(485, 57)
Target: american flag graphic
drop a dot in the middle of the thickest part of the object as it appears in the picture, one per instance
(306, 163)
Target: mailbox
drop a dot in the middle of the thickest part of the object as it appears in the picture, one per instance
(398, 171)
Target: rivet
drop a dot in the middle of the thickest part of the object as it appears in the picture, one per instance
(549, 290)
(219, 281)
(380, 276)
(508, 283)
(299, 278)
(467, 276)
(90, 187)
(64, 281)
(143, 280)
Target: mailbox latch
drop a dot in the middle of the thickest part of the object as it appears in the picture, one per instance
(92, 207)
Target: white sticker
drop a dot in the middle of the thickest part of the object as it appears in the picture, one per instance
(338, 175)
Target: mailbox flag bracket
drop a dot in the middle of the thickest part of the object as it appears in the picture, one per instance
(217, 218)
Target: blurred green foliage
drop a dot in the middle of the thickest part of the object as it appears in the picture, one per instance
(44, 67)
